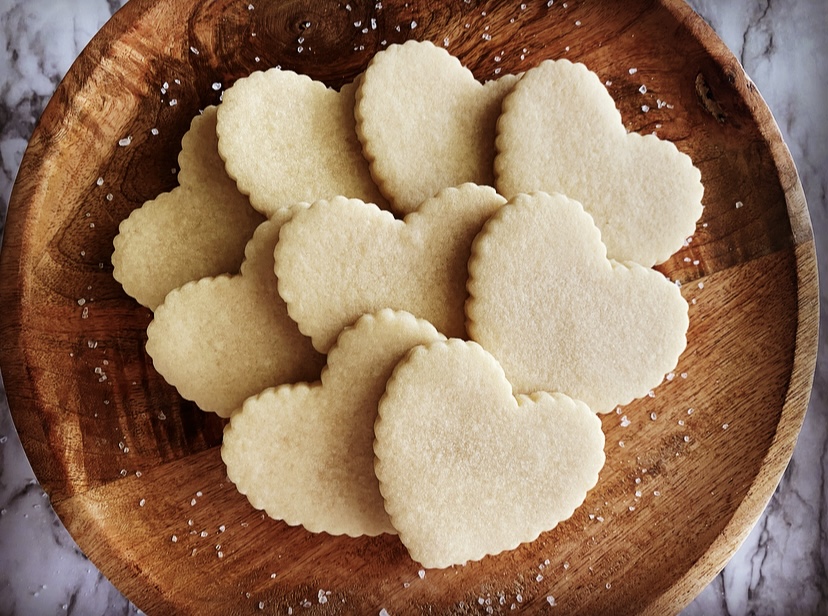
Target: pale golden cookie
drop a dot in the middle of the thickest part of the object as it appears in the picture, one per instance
(465, 468)
(561, 132)
(342, 258)
(198, 229)
(559, 316)
(304, 453)
(425, 122)
(287, 139)
(220, 340)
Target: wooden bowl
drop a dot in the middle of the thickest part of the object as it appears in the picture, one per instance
(134, 471)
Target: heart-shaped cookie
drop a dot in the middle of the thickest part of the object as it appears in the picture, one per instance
(426, 123)
(198, 229)
(559, 316)
(465, 468)
(288, 139)
(219, 340)
(342, 258)
(561, 132)
(304, 453)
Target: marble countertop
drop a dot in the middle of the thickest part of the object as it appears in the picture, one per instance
(782, 567)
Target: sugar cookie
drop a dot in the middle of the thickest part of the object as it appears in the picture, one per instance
(304, 453)
(425, 122)
(561, 132)
(220, 340)
(559, 316)
(198, 229)
(342, 258)
(465, 468)
(287, 139)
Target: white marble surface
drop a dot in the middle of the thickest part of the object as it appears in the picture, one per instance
(781, 569)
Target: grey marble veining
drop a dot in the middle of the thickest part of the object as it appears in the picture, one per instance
(782, 567)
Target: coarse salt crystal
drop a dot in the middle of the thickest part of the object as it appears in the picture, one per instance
(633, 71)
(625, 421)
(174, 539)
(123, 143)
(142, 502)
(643, 89)
(653, 416)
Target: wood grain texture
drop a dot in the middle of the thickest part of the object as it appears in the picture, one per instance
(101, 446)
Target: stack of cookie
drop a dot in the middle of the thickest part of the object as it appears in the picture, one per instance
(471, 263)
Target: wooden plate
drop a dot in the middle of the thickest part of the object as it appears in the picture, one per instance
(134, 472)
